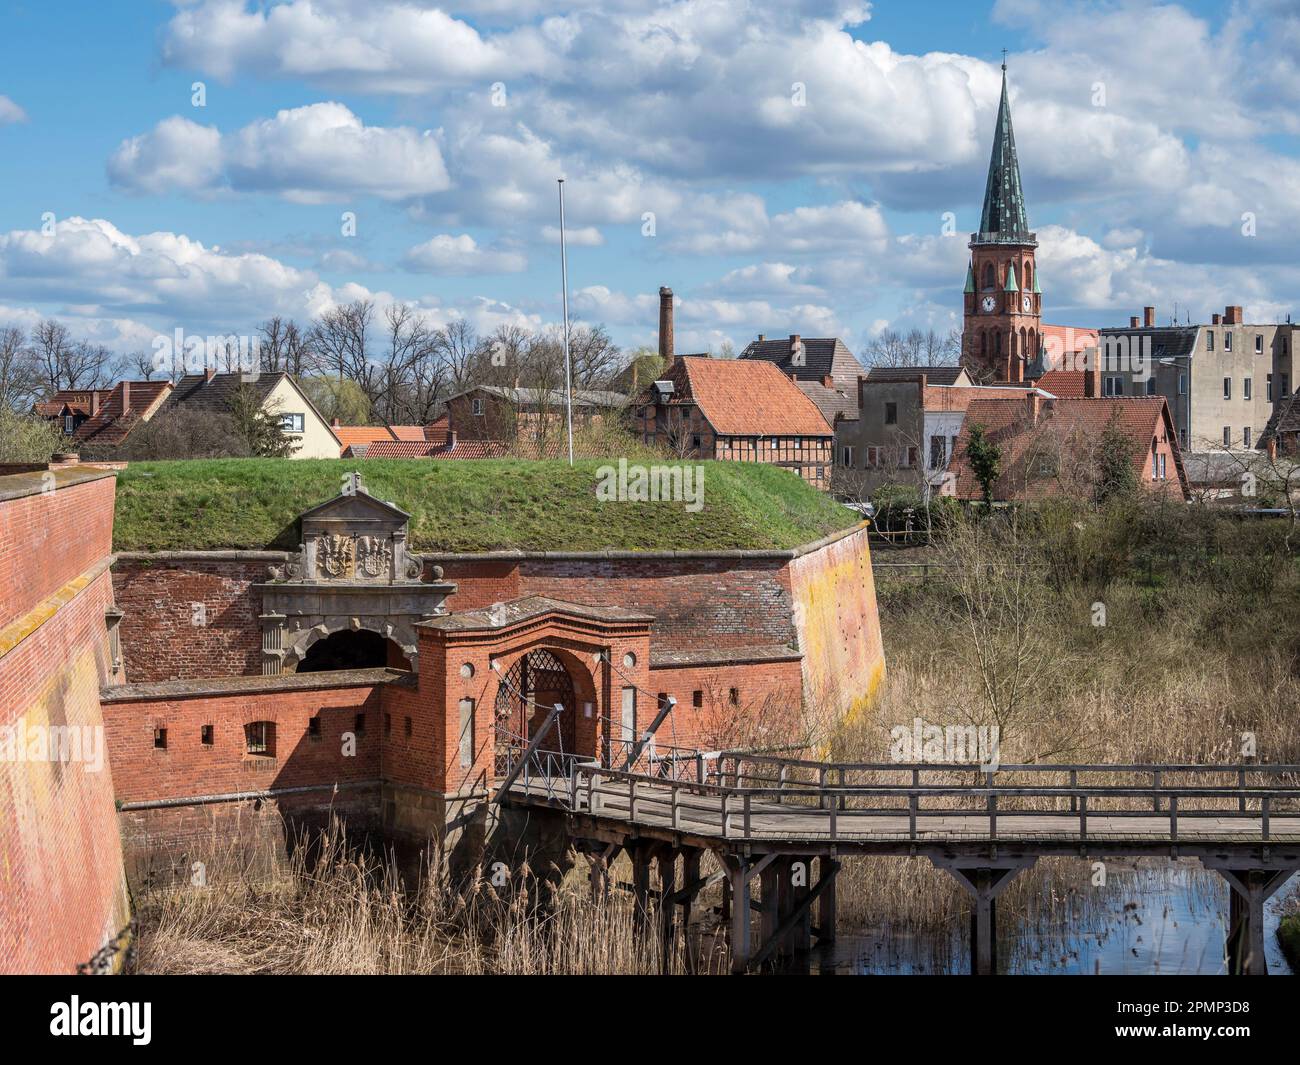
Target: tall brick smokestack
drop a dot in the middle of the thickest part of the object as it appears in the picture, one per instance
(666, 326)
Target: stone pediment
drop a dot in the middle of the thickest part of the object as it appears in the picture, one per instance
(353, 537)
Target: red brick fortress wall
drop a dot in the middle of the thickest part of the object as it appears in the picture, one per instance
(64, 897)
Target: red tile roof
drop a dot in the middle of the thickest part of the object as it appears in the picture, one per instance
(421, 449)
(743, 397)
(1071, 423)
(369, 434)
(1064, 384)
(119, 413)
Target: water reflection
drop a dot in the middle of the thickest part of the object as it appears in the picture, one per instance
(1157, 918)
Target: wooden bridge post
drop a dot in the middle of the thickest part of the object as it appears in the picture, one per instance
(1249, 888)
(738, 873)
(827, 869)
(769, 887)
(641, 855)
(667, 862)
(690, 876)
(984, 882)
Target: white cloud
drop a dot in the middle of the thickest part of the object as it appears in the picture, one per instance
(10, 112)
(462, 255)
(314, 154)
(581, 236)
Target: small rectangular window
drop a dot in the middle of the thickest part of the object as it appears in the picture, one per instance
(313, 726)
(293, 423)
(476, 407)
(697, 698)
(1245, 436)
(1227, 388)
(1182, 437)
(1245, 388)
(1209, 340)
(205, 735)
(359, 724)
(1227, 436)
(936, 452)
(160, 739)
(891, 413)
(846, 458)
(1163, 465)
(259, 737)
(1259, 343)
(733, 696)
(1182, 384)
(466, 733)
(1268, 387)
(1227, 341)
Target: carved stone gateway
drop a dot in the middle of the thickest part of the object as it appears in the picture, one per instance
(352, 571)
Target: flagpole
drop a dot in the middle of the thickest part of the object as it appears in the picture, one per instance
(568, 373)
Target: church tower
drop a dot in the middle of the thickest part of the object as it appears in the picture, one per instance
(1002, 329)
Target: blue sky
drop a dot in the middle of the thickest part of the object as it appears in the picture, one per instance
(1157, 141)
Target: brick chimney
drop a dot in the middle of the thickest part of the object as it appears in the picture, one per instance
(828, 381)
(1133, 321)
(1216, 319)
(209, 372)
(761, 338)
(1032, 399)
(94, 402)
(335, 423)
(1232, 315)
(666, 326)
(126, 396)
(1149, 317)
(1092, 376)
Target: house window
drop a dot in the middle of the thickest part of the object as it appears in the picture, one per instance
(67, 425)
(259, 738)
(1112, 386)
(293, 423)
(695, 441)
(1268, 387)
(160, 739)
(1155, 462)
(1245, 388)
(697, 698)
(1151, 386)
(1209, 340)
(733, 696)
(205, 735)
(476, 407)
(1182, 437)
(359, 724)
(891, 413)
(1182, 384)
(936, 453)
(466, 733)
(846, 458)
(1284, 385)
(1227, 341)
(1259, 343)
(873, 456)
(313, 727)
(1227, 436)
(1227, 388)
(1163, 466)
(1245, 436)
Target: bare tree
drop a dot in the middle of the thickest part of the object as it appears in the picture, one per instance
(283, 346)
(916, 348)
(63, 363)
(19, 379)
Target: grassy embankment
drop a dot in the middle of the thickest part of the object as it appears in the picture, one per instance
(540, 505)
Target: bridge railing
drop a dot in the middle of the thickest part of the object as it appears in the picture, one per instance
(847, 812)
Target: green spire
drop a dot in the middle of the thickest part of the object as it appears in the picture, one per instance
(1011, 285)
(1003, 220)
(970, 278)
(1037, 291)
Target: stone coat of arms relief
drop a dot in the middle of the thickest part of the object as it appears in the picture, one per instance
(374, 556)
(335, 554)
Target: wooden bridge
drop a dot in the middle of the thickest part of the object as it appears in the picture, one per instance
(768, 818)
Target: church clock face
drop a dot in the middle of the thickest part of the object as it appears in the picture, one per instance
(1026, 303)
(988, 303)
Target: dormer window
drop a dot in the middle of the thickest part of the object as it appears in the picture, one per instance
(664, 391)
(476, 408)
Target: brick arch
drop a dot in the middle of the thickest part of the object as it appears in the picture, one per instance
(578, 733)
(298, 642)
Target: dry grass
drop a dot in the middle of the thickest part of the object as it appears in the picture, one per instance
(345, 911)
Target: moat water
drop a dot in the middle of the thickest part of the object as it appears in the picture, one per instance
(1166, 919)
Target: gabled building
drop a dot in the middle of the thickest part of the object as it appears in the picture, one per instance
(104, 416)
(738, 410)
(524, 416)
(1049, 446)
(277, 393)
(823, 368)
